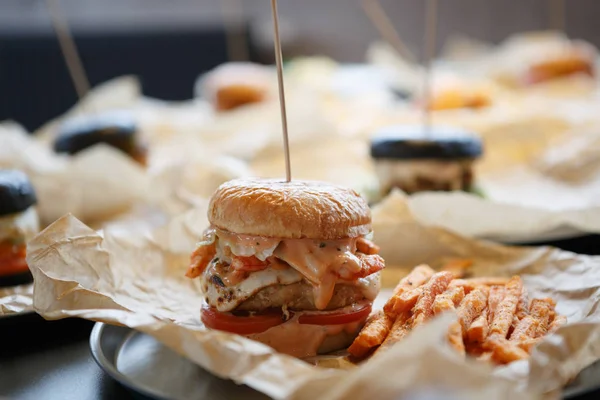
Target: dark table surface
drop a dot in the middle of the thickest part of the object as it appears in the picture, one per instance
(51, 360)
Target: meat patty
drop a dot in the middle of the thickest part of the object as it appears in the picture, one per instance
(299, 296)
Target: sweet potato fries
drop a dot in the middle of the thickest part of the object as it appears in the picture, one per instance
(495, 319)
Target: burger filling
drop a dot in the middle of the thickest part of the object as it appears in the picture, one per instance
(241, 272)
(425, 175)
(15, 230)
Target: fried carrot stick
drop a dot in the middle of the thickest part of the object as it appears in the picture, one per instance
(372, 335)
(478, 331)
(495, 297)
(417, 277)
(523, 305)
(455, 337)
(526, 328)
(543, 311)
(505, 312)
(471, 307)
(407, 300)
(559, 321)
(399, 330)
(504, 352)
(436, 285)
(521, 311)
(448, 300)
(472, 283)
(530, 343)
(464, 284)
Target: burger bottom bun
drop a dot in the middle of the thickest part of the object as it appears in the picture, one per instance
(307, 340)
(337, 342)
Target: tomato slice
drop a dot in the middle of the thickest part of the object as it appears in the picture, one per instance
(12, 259)
(13, 266)
(336, 318)
(242, 325)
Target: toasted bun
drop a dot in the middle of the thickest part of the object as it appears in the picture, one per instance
(291, 210)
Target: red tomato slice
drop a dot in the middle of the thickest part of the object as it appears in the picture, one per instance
(13, 266)
(336, 318)
(241, 325)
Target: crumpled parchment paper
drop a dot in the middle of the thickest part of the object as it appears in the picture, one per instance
(133, 276)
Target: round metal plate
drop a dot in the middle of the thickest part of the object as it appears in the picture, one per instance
(151, 370)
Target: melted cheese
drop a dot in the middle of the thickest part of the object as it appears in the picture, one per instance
(320, 262)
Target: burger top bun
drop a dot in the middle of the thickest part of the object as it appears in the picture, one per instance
(290, 210)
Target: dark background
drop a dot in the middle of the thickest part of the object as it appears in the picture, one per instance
(168, 43)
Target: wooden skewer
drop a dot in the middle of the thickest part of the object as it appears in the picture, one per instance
(237, 45)
(429, 54)
(279, 63)
(557, 18)
(384, 25)
(68, 48)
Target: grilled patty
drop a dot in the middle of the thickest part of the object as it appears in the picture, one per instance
(299, 296)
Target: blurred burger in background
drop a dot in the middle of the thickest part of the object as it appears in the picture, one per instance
(118, 129)
(538, 57)
(236, 84)
(18, 223)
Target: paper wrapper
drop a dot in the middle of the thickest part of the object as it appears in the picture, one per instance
(539, 173)
(95, 185)
(133, 276)
(119, 93)
(16, 300)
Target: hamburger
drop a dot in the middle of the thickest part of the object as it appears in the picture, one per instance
(236, 84)
(417, 159)
(117, 129)
(18, 223)
(288, 264)
(543, 57)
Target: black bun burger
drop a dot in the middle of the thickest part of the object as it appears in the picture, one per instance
(18, 223)
(415, 160)
(288, 264)
(116, 128)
